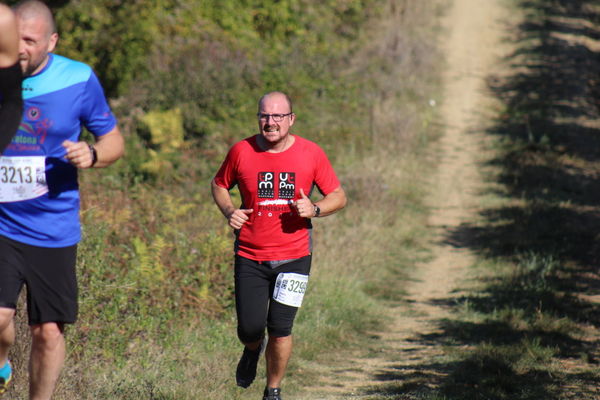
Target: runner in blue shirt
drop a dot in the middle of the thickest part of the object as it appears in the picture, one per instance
(39, 196)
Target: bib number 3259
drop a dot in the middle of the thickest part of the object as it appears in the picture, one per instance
(22, 178)
(290, 288)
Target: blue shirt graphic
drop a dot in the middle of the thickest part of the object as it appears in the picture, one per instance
(58, 101)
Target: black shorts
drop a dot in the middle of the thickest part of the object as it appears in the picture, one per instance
(254, 286)
(50, 277)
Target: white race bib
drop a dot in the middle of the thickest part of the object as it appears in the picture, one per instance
(22, 178)
(290, 288)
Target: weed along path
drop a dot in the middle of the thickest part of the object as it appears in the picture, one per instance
(406, 365)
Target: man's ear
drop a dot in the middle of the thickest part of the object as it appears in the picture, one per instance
(52, 42)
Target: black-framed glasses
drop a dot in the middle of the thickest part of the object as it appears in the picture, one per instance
(276, 117)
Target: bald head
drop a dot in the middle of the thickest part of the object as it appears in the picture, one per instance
(28, 9)
(275, 96)
(37, 35)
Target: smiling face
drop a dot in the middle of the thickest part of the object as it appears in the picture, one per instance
(274, 132)
(36, 41)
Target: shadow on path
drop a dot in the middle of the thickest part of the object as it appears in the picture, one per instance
(525, 337)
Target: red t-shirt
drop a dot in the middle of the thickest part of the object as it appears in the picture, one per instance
(268, 184)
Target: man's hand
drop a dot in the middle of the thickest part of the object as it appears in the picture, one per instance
(78, 154)
(304, 207)
(239, 217)
(236, 217)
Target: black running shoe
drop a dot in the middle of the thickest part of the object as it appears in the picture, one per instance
(246, 368)
(272, 394)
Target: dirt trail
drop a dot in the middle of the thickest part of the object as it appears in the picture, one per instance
(472, 44)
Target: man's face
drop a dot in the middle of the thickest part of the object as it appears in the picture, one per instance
(36, 42)
(275, 131)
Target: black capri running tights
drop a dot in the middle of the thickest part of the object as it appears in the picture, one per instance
(254, 285)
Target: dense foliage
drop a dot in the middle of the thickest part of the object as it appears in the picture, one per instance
(185, 77)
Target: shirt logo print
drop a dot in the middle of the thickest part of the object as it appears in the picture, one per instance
(287, 185)
(266, 185)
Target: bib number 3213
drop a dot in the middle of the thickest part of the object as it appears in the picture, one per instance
(290, 288)
(22, 178)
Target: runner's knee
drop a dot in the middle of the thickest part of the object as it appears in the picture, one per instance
(250, 332)
(47, 333)
(6, 317)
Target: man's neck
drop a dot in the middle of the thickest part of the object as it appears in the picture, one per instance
(40, 67)
(276, 147)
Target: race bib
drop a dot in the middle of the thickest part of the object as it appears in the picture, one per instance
(290, 288)
(22, 178)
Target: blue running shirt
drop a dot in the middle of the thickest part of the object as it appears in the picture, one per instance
(58, 101)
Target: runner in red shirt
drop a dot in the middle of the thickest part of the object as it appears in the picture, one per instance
(275, 172)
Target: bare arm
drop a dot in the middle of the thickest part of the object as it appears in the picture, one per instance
(236, 217)
(331, 203)
(109, 148)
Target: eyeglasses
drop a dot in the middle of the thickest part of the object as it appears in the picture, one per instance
(276, 117)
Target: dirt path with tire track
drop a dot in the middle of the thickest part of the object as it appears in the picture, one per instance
(405, 365)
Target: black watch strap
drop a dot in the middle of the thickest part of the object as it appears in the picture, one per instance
(317, 210)
(94, 154)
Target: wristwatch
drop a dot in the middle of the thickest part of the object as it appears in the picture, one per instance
(94, 154)
(317, 210)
